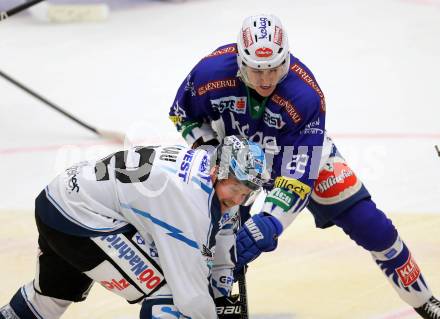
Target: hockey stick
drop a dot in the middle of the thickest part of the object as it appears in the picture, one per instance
(242, 290)
(6, 14)
(102, 133)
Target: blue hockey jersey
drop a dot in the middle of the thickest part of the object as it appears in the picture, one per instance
(214, 102)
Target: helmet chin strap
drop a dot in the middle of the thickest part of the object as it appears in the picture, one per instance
(244, 78)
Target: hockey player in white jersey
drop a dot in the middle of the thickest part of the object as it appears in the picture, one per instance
(154, 225)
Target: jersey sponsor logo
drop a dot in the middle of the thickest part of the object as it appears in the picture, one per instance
(178, 114)
(73, 182)
(235, 104)
(189, 86)
(169, 153)
(281, 198)
(293, 185)
(216, 85)
(263, 52)
(336, 182)
(115, 284)
(273, 119)
(312, 128)
(267, 142)
(204, 165)
(288, 106)
(278, 36)
(139, 240)
(209, 256)
(227, 280)
(247, 37)
(409, 272)
(127, 256)
(71, 173)
(310, 81)
(228, 310)
(186, 165)
(254, 230)
(262, 27)
(228, 50)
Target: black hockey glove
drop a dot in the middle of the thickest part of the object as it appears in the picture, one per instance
(228, 307)
(199, 142)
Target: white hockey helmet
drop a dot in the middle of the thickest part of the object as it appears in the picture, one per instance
(263, 44)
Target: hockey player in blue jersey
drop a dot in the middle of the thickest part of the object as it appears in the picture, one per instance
(257, 89)
(155, 225)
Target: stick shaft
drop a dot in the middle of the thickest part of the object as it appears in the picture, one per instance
(49, 103)
(242, 290)
(6, 14)
(243, 294)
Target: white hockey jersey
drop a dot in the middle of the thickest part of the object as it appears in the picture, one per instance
(165, 193)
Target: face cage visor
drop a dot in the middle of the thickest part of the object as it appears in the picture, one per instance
(253, 77)
(251, 180)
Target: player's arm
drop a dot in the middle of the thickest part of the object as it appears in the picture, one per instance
(185, 269)
(191, 113)
(225, 255)
(295, 169)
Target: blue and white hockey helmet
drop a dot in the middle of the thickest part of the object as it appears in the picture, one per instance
(244, 160)
(262, 44)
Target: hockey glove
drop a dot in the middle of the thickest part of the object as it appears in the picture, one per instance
(228, 307)
(260, 233)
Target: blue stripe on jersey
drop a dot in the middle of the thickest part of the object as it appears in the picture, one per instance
(73, 220)
(203, 186)
(52, 216)
(173, 231)
(223, 291)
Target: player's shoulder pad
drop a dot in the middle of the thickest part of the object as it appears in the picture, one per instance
(219, 65)
(299, 95)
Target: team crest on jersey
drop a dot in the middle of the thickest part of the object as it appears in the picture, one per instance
(236, 104)
(336, 182)
(273, 119)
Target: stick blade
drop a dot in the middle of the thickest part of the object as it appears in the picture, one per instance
(112, 135)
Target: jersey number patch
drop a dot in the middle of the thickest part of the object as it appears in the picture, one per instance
(137, 174)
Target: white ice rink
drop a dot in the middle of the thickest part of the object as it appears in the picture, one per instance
(377, 62)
